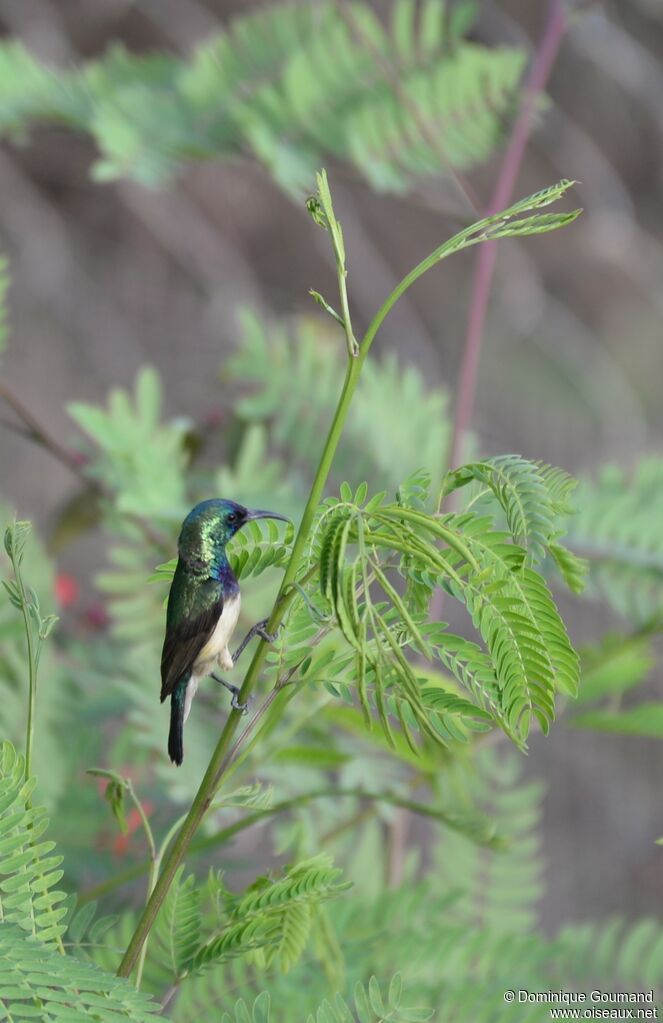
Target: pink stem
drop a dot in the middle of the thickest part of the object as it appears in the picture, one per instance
(485, 262)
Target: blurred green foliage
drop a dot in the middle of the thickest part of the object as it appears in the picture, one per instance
(290, 84)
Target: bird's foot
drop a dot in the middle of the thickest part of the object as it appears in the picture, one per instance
(234, 703)
(259, 629)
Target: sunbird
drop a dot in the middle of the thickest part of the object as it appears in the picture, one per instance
(203, 609)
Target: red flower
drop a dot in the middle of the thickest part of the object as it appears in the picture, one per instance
(66, 589)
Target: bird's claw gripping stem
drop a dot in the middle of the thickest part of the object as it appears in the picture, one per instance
(234, 703)
(269, 637)
(259, 629)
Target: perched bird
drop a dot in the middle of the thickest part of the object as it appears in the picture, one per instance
(203, 608)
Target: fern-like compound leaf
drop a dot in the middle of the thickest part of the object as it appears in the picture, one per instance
(178, 925)
(37, 982)
(29, 871)
(526, 658)
(139, 456)
(617, 528)
(533, 497)
(628, 953)
(272, 917)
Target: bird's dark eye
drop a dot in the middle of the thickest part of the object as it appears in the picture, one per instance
(232, 517)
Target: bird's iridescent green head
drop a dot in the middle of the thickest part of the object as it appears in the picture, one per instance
(211, 524)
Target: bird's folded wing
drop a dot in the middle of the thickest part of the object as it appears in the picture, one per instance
(183, 643)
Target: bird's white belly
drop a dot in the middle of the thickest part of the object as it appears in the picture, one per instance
(215, 650)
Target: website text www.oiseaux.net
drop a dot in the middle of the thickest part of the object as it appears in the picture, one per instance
(590, 1005)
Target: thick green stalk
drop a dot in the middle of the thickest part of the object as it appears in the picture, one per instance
(153, 869)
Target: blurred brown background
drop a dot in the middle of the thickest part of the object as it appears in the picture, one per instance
(107, 278)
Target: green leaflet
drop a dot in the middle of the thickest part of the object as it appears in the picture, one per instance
(259, 1012)
(572, 569)
(312, 878)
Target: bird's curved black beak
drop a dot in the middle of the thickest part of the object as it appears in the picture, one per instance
(259, 513)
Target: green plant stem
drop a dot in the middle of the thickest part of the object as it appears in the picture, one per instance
(32, 699)
(353, 347)
(154, 862)
(32, 673)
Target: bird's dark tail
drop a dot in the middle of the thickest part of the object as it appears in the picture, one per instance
(175, 737)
